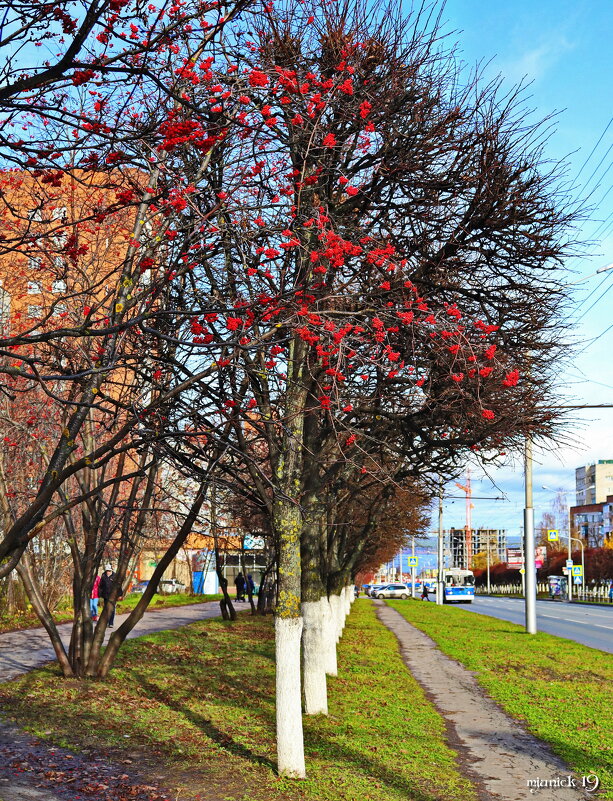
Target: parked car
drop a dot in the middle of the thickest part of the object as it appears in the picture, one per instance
(140, 587)
(393, 591)
(372, 592)
(169, 586)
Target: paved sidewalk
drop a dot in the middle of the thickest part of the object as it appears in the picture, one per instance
(21, 651)
(495, 751)
(28, 767)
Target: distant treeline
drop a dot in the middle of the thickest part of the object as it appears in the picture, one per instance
(598, 567)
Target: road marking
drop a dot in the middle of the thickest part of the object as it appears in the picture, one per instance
(579, 622)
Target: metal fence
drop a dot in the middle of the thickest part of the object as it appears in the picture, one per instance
(596, 592)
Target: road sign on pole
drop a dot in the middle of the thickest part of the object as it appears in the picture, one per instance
(553, 535)
(577, 570)
(413, 561)
(569, 563)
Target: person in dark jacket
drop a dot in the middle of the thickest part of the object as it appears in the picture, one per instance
(105, 588)
(424, 592)
(239, 581)
(250, 586)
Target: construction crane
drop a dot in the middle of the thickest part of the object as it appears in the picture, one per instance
(468, 528)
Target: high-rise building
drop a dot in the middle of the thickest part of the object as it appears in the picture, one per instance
(594, 482)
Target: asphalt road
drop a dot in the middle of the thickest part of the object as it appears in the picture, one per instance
(589, 625)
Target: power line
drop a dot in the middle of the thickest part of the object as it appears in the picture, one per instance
(596, 288)
(583, 166)
(586, 184)
(598, 299)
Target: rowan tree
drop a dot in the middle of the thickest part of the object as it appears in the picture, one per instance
(360, 273)
(380, 278)
(86, 135)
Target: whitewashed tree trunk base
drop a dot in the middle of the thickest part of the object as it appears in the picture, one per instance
(329, 633)
(335, 605)
(314, 658)
(290, 743)
(347, 601)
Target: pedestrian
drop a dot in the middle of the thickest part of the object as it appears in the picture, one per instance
(250, 584)
(93, 601)
(424, 592)
(239, 582)
(105, 588)
(611, 593)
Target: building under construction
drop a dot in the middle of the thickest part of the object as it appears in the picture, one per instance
(464, 544)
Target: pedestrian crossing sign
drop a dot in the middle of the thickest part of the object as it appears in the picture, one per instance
(553, 535)
(413, 561)
(577, 570)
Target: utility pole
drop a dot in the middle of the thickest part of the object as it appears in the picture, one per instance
(413, 568)
(569, 570)
(440, 583)
(529, 565)
(488, 563)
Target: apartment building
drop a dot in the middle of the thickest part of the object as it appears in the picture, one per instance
(593, 522)
(62, 246)
(594, 482)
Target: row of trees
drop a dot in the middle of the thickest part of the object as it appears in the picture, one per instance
(298, 257)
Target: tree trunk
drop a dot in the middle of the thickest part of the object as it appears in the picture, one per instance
(313, 644)
(314, 658)
(287, 526)
(24, 569)
(225, 605)
(288, 632)
(329, 637)
(290, 744)
(101, 667)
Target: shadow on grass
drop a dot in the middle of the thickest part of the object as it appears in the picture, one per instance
(358, 763)
(216, 735)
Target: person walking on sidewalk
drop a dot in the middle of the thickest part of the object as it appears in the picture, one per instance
(239, 581)
(93, 601)
(105, 588)
(424, 592)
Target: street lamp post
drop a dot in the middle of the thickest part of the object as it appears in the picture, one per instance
(440, 575)
(529, 564)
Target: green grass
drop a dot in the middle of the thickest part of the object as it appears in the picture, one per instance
(198, 704)
(164, 601)
(26, 619)
(559, 688)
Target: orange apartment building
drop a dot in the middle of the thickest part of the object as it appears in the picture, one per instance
(62, 246)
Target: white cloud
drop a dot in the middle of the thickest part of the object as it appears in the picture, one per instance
(532, 64)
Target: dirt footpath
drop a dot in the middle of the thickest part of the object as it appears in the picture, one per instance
(496, 752)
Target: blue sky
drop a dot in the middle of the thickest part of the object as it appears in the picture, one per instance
(564, 49)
